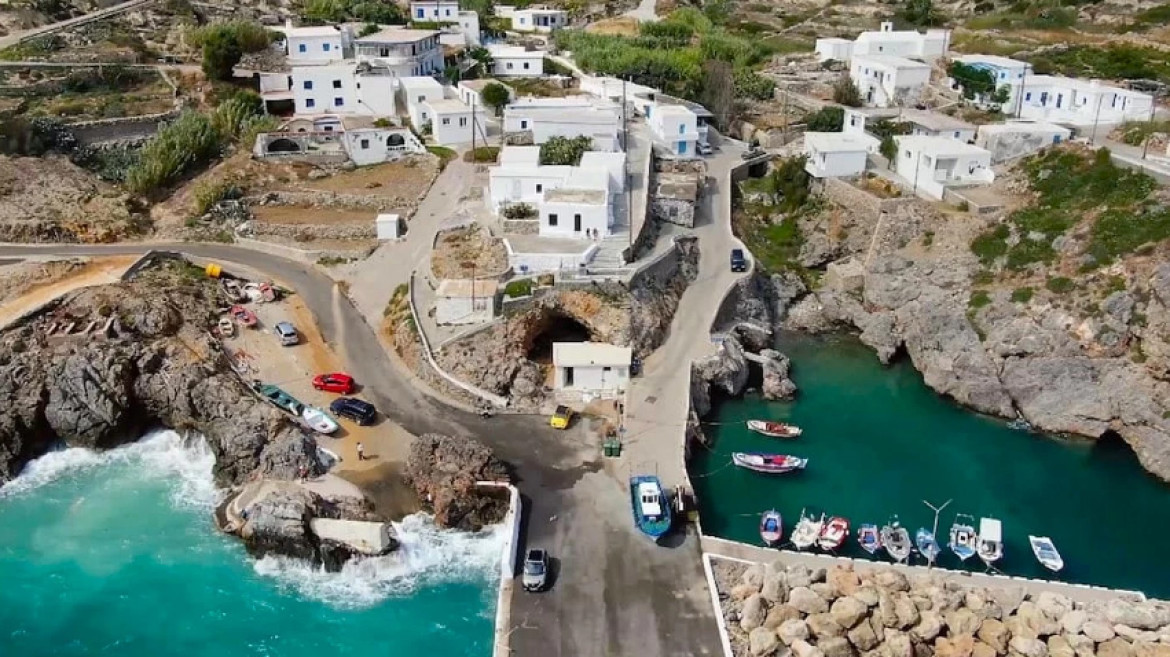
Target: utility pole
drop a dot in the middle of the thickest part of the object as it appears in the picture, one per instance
(934, 528)
(1096, 116)
(1146, 141)
(629, 174)
(473, 158)
(1020, 93)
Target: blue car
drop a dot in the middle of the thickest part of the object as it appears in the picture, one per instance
(359, 411)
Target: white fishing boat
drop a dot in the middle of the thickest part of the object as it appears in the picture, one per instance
(963, 537)
(990, 543)
(896, 540)
(807, 531)
(1046, 553)
(774, 429)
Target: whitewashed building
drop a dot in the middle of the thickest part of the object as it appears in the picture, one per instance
(516, 61)
(676, 129)
(834, 49)
(451, 121)
(520, 178)
(930, 164)
(593, 368)
(836, 154)
(1006, 72)
(414, 93)
(469, 28)
(373, 145)
(886, 41)
(471, 91)
(888, 80)
(403, 51)
(1080, 102)
(572, 116)
(340, 88)
(435, 11)
(1006, 141)
(937, 124)
(325, 136)
(308, 46)
(613, 163)
(570, 201)
(539, 19)
(465, 301)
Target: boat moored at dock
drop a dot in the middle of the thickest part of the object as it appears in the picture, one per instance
(768, 463)
(1046, 553)
(833, 534)
(964, 540)
(771, 527)
(927, 545)
(774, 429)
(807, 531)
(990, 542)
(896, 540)
(868, 538)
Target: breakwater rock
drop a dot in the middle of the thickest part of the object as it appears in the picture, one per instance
(838, 612)
(444, 470)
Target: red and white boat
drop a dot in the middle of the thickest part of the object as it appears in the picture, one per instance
(774, 429)
(768, 463)
(245, 317)
(833, 534)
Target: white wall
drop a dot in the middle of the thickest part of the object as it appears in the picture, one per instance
(1008, 144)
(930, 174)
(592, 217)
(529, 187)
(884, 86)
(538, 20)
(416, 99)
(461, 310)
(315, 50)
(373, 146)
(452, 127)
(376, 95)
(528, 65)
(443, 11)
(595, 379)
(317, 89)
(964, 135)
(823, 164)
(675, 128)
(1069, 104)
(469, 27)
(532, 263)
(835, 49)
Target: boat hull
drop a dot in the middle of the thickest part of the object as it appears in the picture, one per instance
(768, 463)
(868, 538)
(774, 429)
(657, 526)
(1046, 554)
(771, 528)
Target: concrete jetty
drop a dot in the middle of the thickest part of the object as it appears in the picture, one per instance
(369, 538)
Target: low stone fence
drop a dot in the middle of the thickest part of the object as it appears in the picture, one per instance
(128, 128)
(405, 207)
(322, 231)
(861, 202)
(647, 232)
(520, 226)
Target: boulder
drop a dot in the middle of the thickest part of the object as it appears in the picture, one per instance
(762, 642)
(898, 644)
(798, 576)
(1007, 598)
(962, 621)
(1082, 645)
(862, 637)
(886, 614)
(754, 577)
(775, 586)
(906, 611)
(780, 613)
(844, 579)
(868, 595)
(836, 646)
(791, 631)
(1040, 623)
(807, 601)
(983, 650)
(848, 611)
(776, 384)
(753, 613)
(954, 646)
(928, 628)
(1098, 631)
(1139, 615)
(1150, 649)
(1073, 621)
(975, 602)
(1028, 647)
(743, 591)
(1054, 605)
(443, 470)
(1132, 634)
(1115, 648)
(823, 626)
(825, 590)
(995, 634)
(805, 649)
(1058, 646)
(923, 650)
(1017, 626)
(891, 580)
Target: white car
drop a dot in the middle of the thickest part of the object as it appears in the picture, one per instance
(318, 420)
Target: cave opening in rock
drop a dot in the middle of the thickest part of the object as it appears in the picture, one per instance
(554, 327)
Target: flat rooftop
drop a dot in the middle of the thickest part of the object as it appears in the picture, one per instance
(572, 249)
(448, 106)
(397, 35)
(572, 195)
(677, 186)
(478, 85)
(938, 145)
(466, 288)
(890, 61)
(1023, 126)
(498, 50)
(992, 60)
(516, 155)
(935, 120)
(837, 142)
(311, 31)
(583, 354)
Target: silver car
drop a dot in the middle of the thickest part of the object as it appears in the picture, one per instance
(535, 576)
(287, 333)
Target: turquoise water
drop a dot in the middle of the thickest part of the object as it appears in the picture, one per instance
(116, 554)
(879, 442)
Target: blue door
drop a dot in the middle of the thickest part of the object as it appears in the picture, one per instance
(682, 148)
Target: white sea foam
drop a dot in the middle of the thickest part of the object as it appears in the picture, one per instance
(184, 462)
(428, 556)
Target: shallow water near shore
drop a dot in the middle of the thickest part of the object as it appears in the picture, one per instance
(115, 553)
(879, 442)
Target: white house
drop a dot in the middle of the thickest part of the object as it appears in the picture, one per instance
(403, 51)
(887, 80)
(836, 154)
(1080, 102)
(328, 135)
(886, 41)
(539, 19)
(1006, 72)
(676, 129)
(469, 27)
(574, 212)
(451, 121)
(571, 201)
(937, 124)
(595, 368)
(415, 92)
(930, 164)
(435, 11)
(1014, 139)
(520, 178)
(374, 145)
(465, 301)
(516, 61)
(647, 103)
(613, 163)
(307, 46)
(341, 88)
(572, 116)
(471, 91)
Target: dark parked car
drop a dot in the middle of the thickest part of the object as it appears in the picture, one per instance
(359, 411)
(738, 261)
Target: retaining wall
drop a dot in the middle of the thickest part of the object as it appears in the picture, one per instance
(512, 522)
(129, 128)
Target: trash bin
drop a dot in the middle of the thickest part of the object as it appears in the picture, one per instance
(213, 270)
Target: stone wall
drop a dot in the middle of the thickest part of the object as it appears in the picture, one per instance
(403, 206)
(130, 128)
(317, 231)
(520, 226)
(858, 201)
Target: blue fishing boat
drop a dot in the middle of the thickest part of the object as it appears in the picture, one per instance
(868, 538)
(963, 537)
(651, 508)
(927, 546)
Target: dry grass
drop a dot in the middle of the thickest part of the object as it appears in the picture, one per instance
(617, 26)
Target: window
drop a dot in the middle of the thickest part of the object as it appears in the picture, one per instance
(308, 85)
(328, 128)
(309, 102)
(525, 66)
(325, 47)
(509, 66)
(462, 121)
(422, 98)
(384, 51)
(421, 14)
(539, 188)
(446, 121)
(956, 134)
(337, 84)
(523, 124)
(448, 12)
(338, 102)
(907, 153)
(682, 128)
(552, 220)
(365, 144)
(1028, 96)
(302, 48)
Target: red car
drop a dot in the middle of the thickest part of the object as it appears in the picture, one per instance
(338, 382)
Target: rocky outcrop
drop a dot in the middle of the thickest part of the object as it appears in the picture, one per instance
(776, 384)
(883, 612)
(726, 371)
(443, 471)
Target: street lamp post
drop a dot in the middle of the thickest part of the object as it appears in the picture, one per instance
(934, 527)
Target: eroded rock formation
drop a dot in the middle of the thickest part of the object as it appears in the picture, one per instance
(444, 471)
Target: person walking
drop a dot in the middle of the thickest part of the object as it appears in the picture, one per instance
(361, 451)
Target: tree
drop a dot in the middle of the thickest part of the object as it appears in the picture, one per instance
(221, 53)
(483, 61)
(972, 81)
(788, 183)
(718, 92)
(495, 95)
(828, 119)
(920, 13)
(564, 150)
(452, 75)
(889, 150)
(846, 93)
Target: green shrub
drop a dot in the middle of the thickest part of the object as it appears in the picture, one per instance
(983, 277)
(991, 245)
(751, 85)
(1022, 294)
(1113, 62)
(444, 154)
(210, 192)
(1059, 284)
(826, 119)
(482, 154)
(564, 150)
(521, 287)
(846, 92)
(189, 141)
(979, 298)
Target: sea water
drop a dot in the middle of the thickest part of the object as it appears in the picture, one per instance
(879, 442)
(115, 553)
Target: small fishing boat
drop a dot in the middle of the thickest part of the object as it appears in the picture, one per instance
(771, 528)
(990, 543)
(651, 510)
(774, 429)
(231, 289)
(927, 546)
(245, 317)
(768, 463)
(1046, 553)
(280, 398)
(833, 534)
(963, 537)
(868, 538)
(896, 540)
(807, 531)
(318, 420)
(226, 327)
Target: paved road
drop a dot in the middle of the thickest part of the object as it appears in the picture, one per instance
(14, 38)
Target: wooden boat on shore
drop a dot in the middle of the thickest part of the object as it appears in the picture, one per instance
(926, 543)
(896, 540)
(771, 528)
(774, 429)
(963, 537)
(650, 507)
(833, 534)
(768, 463)
(868, 538)
(990, 543)
(807, 531)
(245, 317)
(1046, 553)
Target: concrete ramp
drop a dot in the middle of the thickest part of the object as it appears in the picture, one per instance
(365, 537)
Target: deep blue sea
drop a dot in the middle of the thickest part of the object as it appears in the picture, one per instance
(116, 554)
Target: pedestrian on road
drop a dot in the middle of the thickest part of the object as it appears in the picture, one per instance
(361, 452)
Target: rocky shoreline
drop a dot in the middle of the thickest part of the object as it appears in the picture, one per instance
(793, 610)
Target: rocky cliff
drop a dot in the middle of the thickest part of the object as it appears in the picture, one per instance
(777, 610)
(444, 470)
